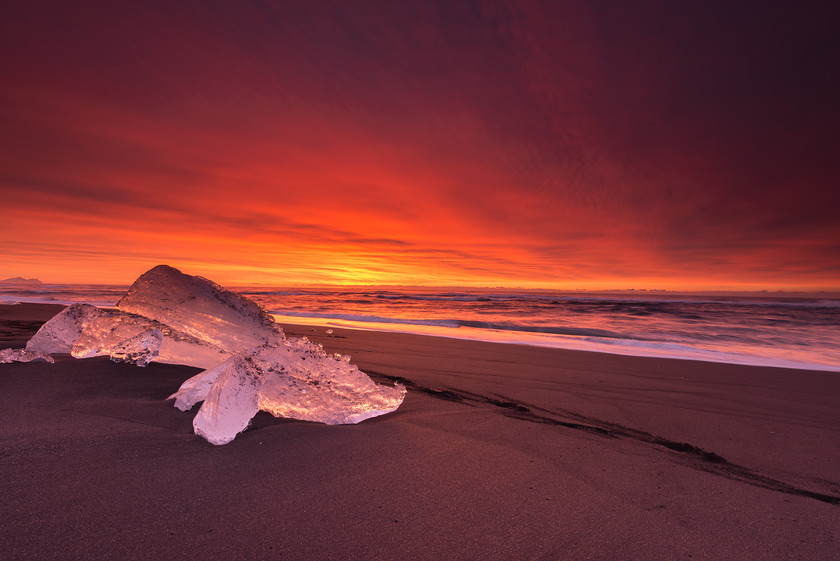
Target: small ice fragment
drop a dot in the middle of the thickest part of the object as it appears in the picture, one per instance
(22, 355)
(140, 349)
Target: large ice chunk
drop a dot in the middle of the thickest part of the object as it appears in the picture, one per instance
(250, 365)
(86, 331)
(295, 379)
(22, 355)
(200, 308)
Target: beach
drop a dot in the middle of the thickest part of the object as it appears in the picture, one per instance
(499, 451)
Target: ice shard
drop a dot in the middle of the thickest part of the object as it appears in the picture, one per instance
(196, 389)
(306, 383)
(22, 355)
(60, 334)
(231, 402)
(249, 364)
(85, 331)
(295, 379)
(202, 323)
(200, 308)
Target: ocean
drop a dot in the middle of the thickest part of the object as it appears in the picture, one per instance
(770, 330)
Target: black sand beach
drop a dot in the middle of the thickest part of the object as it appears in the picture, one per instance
(498, 452)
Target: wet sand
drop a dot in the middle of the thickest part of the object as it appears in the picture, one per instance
(498, 452)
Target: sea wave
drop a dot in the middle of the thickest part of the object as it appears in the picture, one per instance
(364, 318)
(455, 323)
(655, 302)
(685, 350)
(762, 329)
(548, 329)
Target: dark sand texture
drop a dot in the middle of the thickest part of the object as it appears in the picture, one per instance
(499, 452)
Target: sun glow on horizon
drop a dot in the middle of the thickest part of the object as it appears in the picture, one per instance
(338, 275)
(270, 154)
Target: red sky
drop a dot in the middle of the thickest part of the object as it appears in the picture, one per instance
(539, 144)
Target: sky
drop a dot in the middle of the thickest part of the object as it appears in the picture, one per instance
(561, 144)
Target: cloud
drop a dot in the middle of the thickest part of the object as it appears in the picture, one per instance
(553, 144)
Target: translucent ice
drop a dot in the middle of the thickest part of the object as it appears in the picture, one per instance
(202, 324)
(295, 379)
(168, 316)
(85, 331)
(231, 402)
(140, 349)
(195, 389)
(200, 308)
(22, 355)
(60, 333)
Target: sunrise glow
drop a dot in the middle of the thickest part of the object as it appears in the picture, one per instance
(515, 146)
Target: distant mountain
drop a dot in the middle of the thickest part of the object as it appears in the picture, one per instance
(20, 281)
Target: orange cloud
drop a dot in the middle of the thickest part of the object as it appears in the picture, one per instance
(407, 145)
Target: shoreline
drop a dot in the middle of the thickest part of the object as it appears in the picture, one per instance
(626, 348)
(498, 452)
(622, 347)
